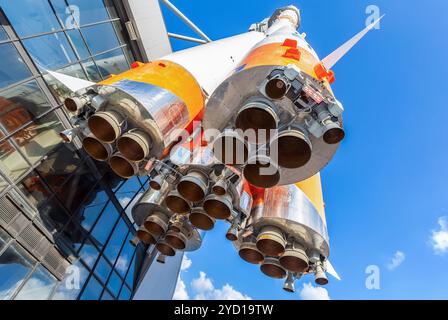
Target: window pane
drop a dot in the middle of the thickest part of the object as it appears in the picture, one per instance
(114, 283)
(103, 269)
(107, 296)
(92, 290)
(19, 105)
(15, 264)
(3, 183)
(11, 162)
(58, 166)
(125, 294)
(77, 190)
(38, 287)
(105, 223)
(112, 62)
(50, 51)
(12, 67)
(124, 261)
(92, 70)
(78, 43)
(92, 210)
(90, 10)
(89, 254)
(70, 287)
(3, 35)
(37, 139)
(100, 37)
(30, 16)
(130, 275)
(116, 241)
(128, 190)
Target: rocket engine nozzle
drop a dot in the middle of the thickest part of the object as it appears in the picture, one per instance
(272, 268)
(96, 149)
(201, 220)
(176, 203)
(219, 207)
(271, 241)
(294, 258)
(260, 117)
(134, 145)
(106, 125)
(164, 248)
(293, 148)
(249, 252)
(156, 223)
(122, 166)
(193, 186)
(261, 172)
(146, 237)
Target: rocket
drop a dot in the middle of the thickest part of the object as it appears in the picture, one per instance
(235, 130)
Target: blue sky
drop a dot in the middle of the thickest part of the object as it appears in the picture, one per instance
(386, 189)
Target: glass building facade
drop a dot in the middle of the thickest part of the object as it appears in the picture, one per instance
(65, 227)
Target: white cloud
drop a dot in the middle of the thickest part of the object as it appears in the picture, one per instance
(186, 263)
(396, 260)
(181, 290)
(310, 292)
(439, 238)
(204, 289)
(122, 263)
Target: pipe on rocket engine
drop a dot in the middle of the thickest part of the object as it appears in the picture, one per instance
(272, 268)
(276, 88)
(200, 219)
(176, 203)
(156, 224)
(134, 145)
(193, 186)
(261, 171)
(122, 166)
(229, 148)
(74, 104)
(288, 286)
(156, 182)
(271, 241)
(220, 187)
(219, 207)
(333, 133)
(96, 149)
(294, 258)
(258, 116)
(106, 125)
(293, 148)
(249, 252)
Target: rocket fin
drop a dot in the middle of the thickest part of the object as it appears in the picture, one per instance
(331, 270)
(72, 83)
(330, 60)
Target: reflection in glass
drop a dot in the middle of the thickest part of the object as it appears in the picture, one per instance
(116, 241)
(105, 223)
(15, 264)
(50, 51)
(20, 104)
(39, 138)
(130, 275)
(127, 191)
(3, 35)
(89, 254)
(103, 269)
(90, 10)
(114, 283)
(124, 261)
(12, 67)
(100, 37)
(30, 17)
(112, 62)
(92, 290)
(12, 163)
(76, 190)
(125, 294)
(92, 211)
(92, 70)
(38, 287)
(69, 288)
(107, 296)
(78, 44)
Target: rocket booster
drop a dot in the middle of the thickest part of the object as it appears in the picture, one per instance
(269, 120)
